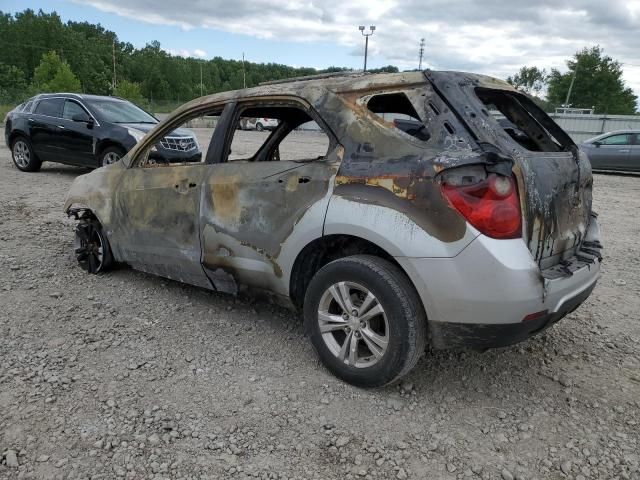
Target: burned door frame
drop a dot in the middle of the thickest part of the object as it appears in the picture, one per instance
(160, 233)
(253, 211)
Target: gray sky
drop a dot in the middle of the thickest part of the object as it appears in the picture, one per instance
(489, 36)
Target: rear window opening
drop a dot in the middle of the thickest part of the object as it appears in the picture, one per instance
(397, 108)
(524, 122)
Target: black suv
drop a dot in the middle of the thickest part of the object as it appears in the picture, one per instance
(87, 130)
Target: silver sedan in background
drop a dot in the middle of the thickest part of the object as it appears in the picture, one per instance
(619, 150)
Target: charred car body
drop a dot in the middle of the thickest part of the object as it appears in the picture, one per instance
(454, 231)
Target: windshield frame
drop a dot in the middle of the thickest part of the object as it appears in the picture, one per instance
(145, 117)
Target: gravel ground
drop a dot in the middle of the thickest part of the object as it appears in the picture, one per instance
(132, 376)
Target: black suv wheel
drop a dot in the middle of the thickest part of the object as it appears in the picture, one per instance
(365, 320)
(23, 156)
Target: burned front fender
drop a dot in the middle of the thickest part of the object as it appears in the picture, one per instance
(94, 192)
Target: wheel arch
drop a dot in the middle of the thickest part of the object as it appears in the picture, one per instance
(325, 249)
(102, 145)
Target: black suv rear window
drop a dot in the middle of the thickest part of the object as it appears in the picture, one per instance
(51, 107)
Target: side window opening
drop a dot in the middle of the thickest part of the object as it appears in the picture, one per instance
(71, 109)
(398, 109)
(188, 142)
(51, 107)
(620, 139)
(273, 133)
(524, 124)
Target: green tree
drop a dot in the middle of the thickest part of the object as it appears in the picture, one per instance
(531, 80)
(129, 91)
(597, 82)
(55, 75)
(13, 84)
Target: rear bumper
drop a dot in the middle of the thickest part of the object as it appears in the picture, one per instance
(483, 336)
(481, 297)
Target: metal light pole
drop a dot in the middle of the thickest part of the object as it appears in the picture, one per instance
(366, 41)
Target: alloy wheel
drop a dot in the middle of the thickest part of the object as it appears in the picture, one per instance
(109, 158)
(353, 324)
(21, 154)
(89, 247)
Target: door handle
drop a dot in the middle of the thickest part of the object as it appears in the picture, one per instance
(183, 186)
(285, 179)
(624, 151)
(61, 127)
(30, 120)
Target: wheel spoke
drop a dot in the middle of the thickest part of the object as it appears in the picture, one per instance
(92, 263)
(337, 296)
(367, 304)
(372, 312)
(375, 342)
(353, 350)
(344, 350)
(330, 323)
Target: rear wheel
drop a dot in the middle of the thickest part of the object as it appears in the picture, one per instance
(23, 156)
(111, 155)
(259, 127)
(365, 320)
(91, 247)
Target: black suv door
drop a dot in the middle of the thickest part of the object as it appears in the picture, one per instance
(43, 127)
(75, 138)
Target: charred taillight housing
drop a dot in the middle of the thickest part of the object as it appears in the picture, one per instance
(488, 202)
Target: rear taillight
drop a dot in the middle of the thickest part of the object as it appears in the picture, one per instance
(491, 205)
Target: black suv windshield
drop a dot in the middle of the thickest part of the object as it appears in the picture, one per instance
(117, 111)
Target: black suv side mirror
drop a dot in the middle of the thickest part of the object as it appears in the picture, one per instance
(82, 118)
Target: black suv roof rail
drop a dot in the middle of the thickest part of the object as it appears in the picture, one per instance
(319, 76)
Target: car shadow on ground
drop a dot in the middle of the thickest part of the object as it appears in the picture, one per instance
(439, 373)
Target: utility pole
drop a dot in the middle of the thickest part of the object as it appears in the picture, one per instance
(113, 55)
(566, 102)
(201, 94)
(244, 76)
(421, 53)
(372, 28)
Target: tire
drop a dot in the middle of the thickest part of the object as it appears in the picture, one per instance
(111, 155)
(259, 127)
(23, 155)
(91, 247)
(402, 323)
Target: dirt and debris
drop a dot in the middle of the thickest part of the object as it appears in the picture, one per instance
(128, 375)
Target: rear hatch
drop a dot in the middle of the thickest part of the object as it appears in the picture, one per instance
(554, 177)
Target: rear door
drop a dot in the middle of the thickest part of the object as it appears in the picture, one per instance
(633, 161)
(613, 151)
(554, 177)
(43, 127)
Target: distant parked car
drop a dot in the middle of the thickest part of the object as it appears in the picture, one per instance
(259, 124)
(87, 130)
(617, 151)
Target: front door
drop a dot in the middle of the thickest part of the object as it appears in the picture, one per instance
(76, 138)
(159, 228)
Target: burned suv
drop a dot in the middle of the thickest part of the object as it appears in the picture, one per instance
(408, 214)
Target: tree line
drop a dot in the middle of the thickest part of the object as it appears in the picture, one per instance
(41, 53)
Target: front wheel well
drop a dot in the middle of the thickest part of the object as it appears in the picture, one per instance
(102, 146)
(324, 250)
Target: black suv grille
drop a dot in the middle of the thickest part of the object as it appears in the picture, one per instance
(181, 144)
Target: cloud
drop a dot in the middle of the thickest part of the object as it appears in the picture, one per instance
(489, 36)
(182, 52)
